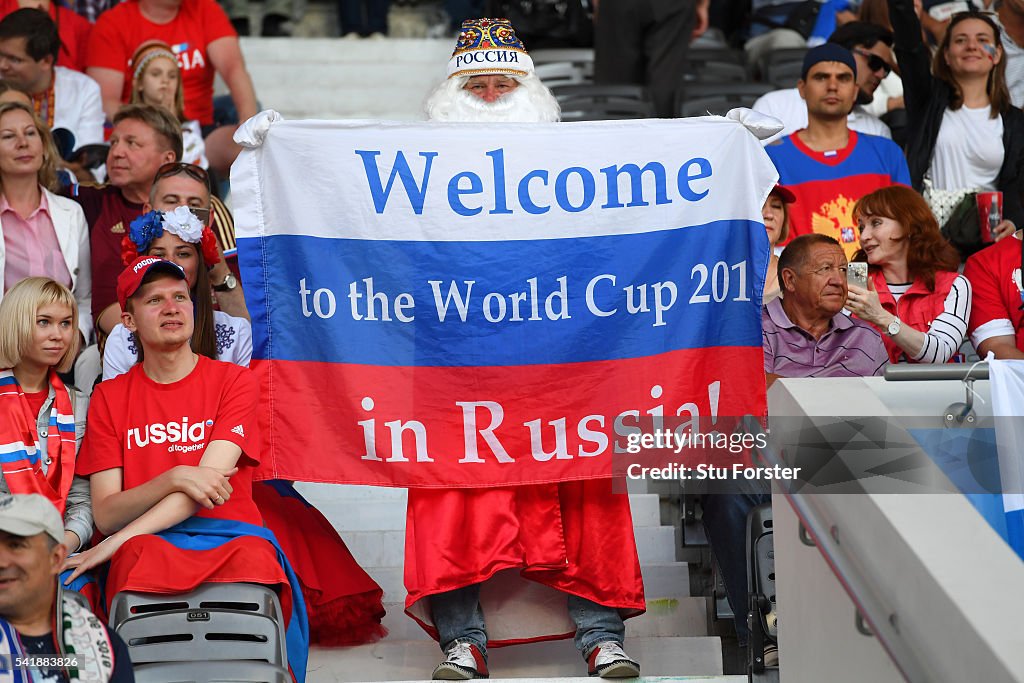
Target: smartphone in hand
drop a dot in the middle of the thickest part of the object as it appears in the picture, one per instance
(857, 274)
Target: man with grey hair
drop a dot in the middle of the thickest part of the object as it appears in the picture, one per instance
(524, 554)
(32, 553)
(144, 140)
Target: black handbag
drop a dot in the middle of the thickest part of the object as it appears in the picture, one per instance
(962, 228)
(548, 23)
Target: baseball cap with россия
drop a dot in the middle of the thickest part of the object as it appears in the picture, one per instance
(28, 514)
(130, 279)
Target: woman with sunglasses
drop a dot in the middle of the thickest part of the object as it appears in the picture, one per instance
(964, 132)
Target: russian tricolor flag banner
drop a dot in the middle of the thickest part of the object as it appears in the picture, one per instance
(442, 305)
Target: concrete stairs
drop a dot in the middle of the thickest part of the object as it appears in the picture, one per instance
(330, 78)
(670, 639)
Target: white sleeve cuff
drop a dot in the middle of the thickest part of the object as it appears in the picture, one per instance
(1000, 327)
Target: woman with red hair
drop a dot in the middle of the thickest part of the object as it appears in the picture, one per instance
(915, 296)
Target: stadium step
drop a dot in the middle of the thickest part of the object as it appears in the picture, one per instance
(671, 617)
(317, 493)
(414, 660)
(387, 548)
(670, 638)
(389, 515)
(325, 78)
(662, 580)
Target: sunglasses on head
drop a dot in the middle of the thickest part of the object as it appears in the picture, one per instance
(177, 168)
(875, 63)
(194, 172)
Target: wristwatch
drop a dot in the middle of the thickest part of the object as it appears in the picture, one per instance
(894, 327)
(230, 282)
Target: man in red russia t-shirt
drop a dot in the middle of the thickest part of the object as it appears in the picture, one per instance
(174, 437)
(997, 322)
(205, 42)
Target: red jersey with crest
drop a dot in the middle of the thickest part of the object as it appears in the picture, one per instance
(828, 184)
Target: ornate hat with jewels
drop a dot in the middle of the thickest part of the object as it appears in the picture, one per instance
(489, 46)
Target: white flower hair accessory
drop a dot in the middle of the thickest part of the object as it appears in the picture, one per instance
(183, 223)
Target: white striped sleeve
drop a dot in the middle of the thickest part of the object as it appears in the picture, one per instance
(948, 331)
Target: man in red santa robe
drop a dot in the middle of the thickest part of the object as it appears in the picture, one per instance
(536, 562)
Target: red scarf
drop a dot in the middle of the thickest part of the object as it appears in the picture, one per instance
(20, 461)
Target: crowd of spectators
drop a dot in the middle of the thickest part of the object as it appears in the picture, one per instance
(125, 94)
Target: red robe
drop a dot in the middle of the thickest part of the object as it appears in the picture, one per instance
(574, 537)
(342, 602)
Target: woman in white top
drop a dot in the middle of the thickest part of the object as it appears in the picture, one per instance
(41, 234)
(964, 132)
(181, 237)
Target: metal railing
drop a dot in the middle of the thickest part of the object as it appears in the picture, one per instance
(871, 608)
(906, 372)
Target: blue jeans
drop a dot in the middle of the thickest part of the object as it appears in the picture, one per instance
(725, 522)
(458, 616)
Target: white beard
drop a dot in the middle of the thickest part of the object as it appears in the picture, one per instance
(531, 102)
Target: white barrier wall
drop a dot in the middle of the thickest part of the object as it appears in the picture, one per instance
(947, 582)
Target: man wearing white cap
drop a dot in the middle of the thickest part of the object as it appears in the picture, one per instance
(541, 561)
(31, 555)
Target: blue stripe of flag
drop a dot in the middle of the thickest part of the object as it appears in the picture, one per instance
(716, 305)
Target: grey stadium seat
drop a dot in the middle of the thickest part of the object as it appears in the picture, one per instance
(244, 597)
(698, 99)
(211, 672)
(782, 67)
(561, 73)
(203, 635)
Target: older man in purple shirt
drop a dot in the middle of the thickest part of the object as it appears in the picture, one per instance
(805, 333)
